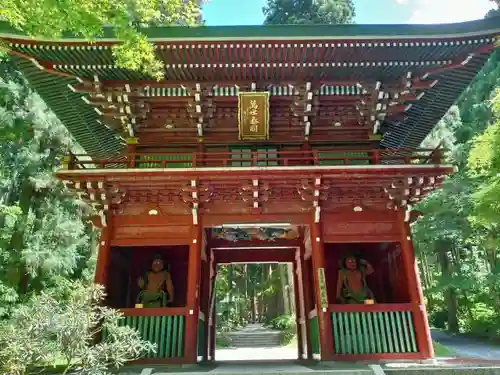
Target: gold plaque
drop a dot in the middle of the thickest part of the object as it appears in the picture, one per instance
(253, 115)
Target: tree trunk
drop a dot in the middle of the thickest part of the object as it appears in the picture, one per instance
(278, 296)
(450, 294)
(271, 300)
(230, 284)
(253, 307)
(291, 287)
(262, 297)
(284, 288)
(17, 240)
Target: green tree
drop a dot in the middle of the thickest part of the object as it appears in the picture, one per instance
(87, 18)
(314, 12)
(456, 250)
(63, 326)
(484, 161)
(42, 234)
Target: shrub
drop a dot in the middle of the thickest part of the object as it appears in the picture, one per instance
(222, 340)
(286, 324)
(48, 329)
(485, 320)
(438, 318)
(282, 323)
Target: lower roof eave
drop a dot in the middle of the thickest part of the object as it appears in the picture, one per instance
(214, 172)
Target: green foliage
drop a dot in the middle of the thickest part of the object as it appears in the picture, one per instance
(51, 19)
(494, 12)
(287, 325)
(250, 293)
(313, 12)
(222, 340)
(484, 163)
(52, 326)
(484, 320)
(282, 323)
(456, 239)
(43, 237)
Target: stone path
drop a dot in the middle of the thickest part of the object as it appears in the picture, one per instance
(467, 347)
(261, 368)
(255, 354)
(255, 342)
(461, 347)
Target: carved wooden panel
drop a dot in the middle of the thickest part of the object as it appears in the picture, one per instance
(166, 232)
(372, 226)
(143, 209)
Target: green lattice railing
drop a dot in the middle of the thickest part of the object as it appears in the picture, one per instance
(167, 332)
(261, 156)
(243, 156)
(350, 158)
(165, 161)
(373, 332)
(314, 334)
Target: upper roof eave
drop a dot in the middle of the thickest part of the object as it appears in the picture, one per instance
(286, 32)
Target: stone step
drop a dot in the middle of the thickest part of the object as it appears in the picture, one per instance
(253, 344)
(255, 340)
(254, 336)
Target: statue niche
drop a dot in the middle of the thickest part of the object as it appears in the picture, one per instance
(156, 287)
(352, 287)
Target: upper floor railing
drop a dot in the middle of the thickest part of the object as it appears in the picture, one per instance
(264, 158)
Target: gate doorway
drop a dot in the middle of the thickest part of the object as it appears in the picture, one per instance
(255, 295)
(255, 310)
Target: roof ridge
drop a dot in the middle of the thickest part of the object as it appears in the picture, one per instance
(489, 26)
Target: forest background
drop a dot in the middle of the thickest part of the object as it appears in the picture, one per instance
(47, 244)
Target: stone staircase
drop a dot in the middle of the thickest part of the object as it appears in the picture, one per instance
(255, 336)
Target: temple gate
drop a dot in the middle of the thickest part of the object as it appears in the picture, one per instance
(287, 143)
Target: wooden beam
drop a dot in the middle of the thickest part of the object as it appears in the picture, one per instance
(193, 293)
(245, 84)
(306, 299)
(336, 135)
(300, 320)
(220, 243)
(250, 255)
(419, 313)
(205, 302)
(320, 291)
(104, 254)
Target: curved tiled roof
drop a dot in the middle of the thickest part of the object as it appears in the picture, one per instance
(449, 54)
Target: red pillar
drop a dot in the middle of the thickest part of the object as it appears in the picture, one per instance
(104, 252)
(193, 294)
(321, 296)
(307, 299)
(299, 307)
(424, 340)
(212, 307)
(205, 302)
(213, 332)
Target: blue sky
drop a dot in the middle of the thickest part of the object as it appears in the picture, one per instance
(249, 12)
